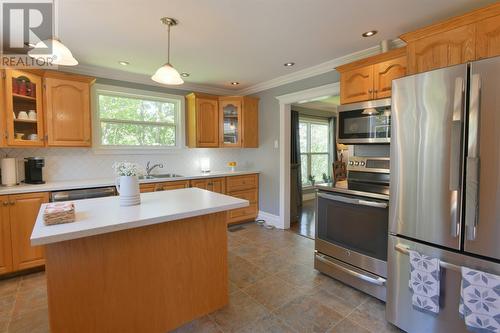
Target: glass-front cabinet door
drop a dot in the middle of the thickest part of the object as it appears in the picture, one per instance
(23, 93)
(230, 117)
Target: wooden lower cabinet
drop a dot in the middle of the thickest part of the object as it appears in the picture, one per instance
(5, 237)
(243, 187)
(163, 186)
(211, 184)
(18, 214)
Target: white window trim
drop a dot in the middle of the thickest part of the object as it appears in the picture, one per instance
(139, 150)
(313, 120)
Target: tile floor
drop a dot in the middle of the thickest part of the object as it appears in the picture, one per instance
(273, 288)
(306, 225)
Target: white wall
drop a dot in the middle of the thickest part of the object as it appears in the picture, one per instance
(84, 163)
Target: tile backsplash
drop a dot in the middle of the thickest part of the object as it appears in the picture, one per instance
(85, 163)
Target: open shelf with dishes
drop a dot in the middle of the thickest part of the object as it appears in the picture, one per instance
(24, 108)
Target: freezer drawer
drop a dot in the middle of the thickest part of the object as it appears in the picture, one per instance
(399, 309)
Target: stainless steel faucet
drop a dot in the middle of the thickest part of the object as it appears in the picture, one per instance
(151, 168)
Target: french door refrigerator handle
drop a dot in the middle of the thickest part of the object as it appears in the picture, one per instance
(455, 154)
(473, 162)
(359, 202)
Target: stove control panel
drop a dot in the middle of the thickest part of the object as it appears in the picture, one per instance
(369, 164)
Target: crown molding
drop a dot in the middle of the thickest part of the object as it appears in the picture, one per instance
(115, 74)
(317, 69)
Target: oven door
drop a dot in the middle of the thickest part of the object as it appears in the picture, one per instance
(354, 230)
(367, 122)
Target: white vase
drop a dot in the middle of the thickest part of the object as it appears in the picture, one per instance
(128, 189)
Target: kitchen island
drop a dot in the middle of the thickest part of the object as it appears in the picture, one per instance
(146, 268)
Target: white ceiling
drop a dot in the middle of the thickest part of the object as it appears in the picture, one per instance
(219, 41)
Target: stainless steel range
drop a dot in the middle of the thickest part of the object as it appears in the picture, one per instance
(352, 226)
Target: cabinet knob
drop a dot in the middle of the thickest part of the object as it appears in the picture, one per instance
(5, 203)
(12, 203)
(370, 91)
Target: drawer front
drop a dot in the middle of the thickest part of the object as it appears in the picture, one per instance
(242, 213)
(144, 188)
(240, 183)
(173, 185)
(250, 195)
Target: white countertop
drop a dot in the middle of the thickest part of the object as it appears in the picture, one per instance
(104, 215)
(89, 183)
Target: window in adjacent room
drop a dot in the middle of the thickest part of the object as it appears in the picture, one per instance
(314, 149)
(128, 118)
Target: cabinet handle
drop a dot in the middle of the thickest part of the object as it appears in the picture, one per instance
(12, 203)
(5, 203)
(370, 91)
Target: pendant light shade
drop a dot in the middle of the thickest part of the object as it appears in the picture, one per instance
(60, 54)
(167, 74)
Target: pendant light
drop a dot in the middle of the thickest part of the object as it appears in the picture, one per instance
(59, 54)
(167, 74)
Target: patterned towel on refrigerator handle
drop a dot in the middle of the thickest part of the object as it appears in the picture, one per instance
(424, 282)
(480, 300)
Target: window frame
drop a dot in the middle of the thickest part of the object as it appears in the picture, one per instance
(104, 89)
(328, 153)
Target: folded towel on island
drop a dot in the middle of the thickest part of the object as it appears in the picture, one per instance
(424, 282)
(57, 213)
(480, 300)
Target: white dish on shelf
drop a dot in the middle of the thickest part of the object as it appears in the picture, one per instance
(22, 115)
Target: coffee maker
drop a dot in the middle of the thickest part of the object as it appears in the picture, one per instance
(33, 170)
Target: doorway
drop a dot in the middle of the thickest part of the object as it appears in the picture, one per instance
(286, 102)
(312, 154)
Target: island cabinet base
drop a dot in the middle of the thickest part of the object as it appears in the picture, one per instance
(148, 279)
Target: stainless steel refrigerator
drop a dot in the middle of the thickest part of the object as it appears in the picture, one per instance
(445, 185)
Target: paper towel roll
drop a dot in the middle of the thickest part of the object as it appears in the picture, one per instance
(9, 174)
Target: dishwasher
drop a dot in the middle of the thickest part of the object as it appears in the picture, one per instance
(80, 194)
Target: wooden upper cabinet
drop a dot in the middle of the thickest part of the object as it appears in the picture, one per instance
(384, 73)
(230, 121)
(23, 211)
(239, 121)
(356, 85)
(5, 236)
(23, 97)
(488, 38)
(371, 78)
(445, 49)
(67, 110)
(222, 121)
(250, 122)
(474, 35)
(202, 121)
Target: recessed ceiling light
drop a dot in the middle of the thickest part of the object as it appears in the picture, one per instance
(235, 83)
(184, 74)
(288, 64)
(369, 33)
(124, 63)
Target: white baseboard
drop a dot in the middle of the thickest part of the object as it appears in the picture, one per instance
(270, 219)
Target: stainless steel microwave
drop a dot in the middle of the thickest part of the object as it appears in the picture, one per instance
(365, 122)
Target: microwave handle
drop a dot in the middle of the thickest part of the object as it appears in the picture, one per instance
(359, 202)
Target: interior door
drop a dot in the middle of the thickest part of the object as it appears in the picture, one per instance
(427, 122)
(482, 204)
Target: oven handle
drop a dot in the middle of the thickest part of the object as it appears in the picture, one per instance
(377, 281)
(353, 201)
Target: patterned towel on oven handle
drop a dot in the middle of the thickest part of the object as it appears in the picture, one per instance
(480, 300)
(424, 282)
